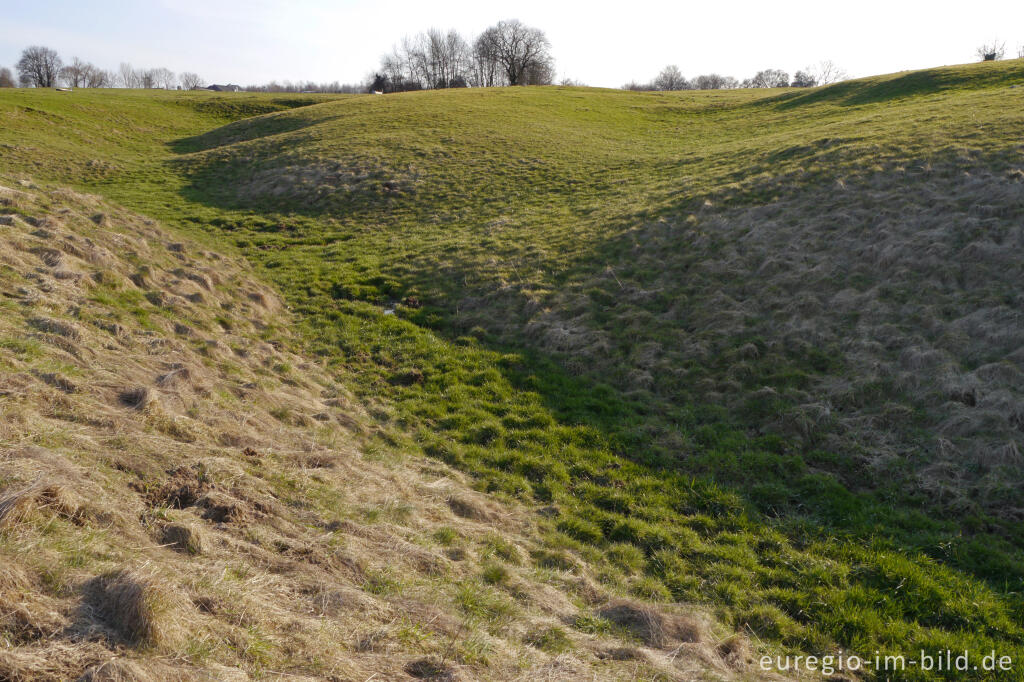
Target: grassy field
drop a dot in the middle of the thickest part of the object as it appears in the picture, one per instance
(759, 350)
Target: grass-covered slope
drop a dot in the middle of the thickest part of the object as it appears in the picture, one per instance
(182, 497)
(754, 349)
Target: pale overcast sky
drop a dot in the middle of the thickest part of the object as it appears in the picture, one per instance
(601, 44)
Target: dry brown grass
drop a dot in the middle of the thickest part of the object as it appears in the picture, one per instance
(469, 508)
(140, 606)
(651, 625)
(908, 280)
(187, 538)
(56, 498)
(116, 670)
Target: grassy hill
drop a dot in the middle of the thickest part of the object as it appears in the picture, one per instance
(756, 350)
(186, 498)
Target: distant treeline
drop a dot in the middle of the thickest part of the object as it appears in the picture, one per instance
(309, 86)
(42, 67)
(671, 78)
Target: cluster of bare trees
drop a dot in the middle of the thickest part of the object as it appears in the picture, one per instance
(508, 53)
(80, 74)
(671, 78)
(42, 67)
(161, 78)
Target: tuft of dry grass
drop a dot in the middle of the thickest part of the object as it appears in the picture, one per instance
(469, 508)
(650, 625)
(58, 327)
(139, 605)
(186, 538)
(430, 669)
(136, 397)
(15, 506)
(735, 651)
(179, 376)
(116, 670)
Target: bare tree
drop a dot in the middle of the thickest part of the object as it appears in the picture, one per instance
(436, 59)
(162, 78)
(671, 78)
(101, 78)
(804, 79)
(486, 70)
(6, 78)
(401, 69)
(826, 73)
(990, 52)
(128, 76)
(769, 78)
(709, 81)
(78, 74)
(459, 57)
(540, 72)
(191, 81)
(449, 57)
(523, 52)
(84, 75)
(39, 67)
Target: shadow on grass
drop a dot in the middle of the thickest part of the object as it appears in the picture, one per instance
(913, 84)
(245, 130)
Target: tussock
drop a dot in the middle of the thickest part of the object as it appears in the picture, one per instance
(185, 538)
(13, 578)
(58, 381)
(58, 327)
(735, 651)
(623, 653)
(654, 628)
(117, 670)
(50, 257)
(136, 397)
(180, 376)
(430, 669)
(183, 489)
(222, 508)
(15, 506)
(139, 606)
(468, 508)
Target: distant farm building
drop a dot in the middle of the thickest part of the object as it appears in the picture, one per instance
(225, 88)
